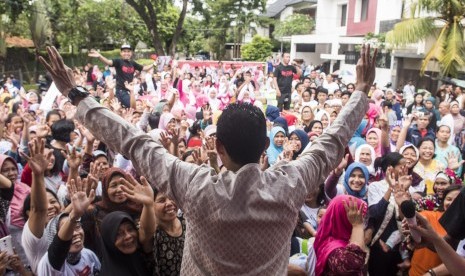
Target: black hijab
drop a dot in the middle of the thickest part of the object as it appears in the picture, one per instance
(115, 263)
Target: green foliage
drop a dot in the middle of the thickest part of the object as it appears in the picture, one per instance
(449, 47)
(257, 50)
(296, 24)
(221, 15)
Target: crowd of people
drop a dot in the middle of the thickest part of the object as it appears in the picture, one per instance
(167, 169)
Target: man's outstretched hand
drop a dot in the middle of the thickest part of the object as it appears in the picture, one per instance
(62, 75)
(366, 69)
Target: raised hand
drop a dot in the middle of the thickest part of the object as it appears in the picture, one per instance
(175, 136)
(165, 140)
(264, 162)
(453, 161)
(365, 68)
(42, 131)
(37, 160)
(80, 201)
(424, 228)
(93, 53)
(115, 105)
(354, 213)
(86, 133)
(4, 110)
(404, 181)
(73, 157)
(61, 74)
(342, 165)
(13, 138)
(141, 193)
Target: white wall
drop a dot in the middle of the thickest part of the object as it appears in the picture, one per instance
(285, 13)
(328, 17)
(383, 76)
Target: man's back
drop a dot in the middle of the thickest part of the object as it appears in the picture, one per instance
(240, 223)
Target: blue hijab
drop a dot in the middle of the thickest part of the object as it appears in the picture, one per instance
(280, 121)
(349, 170)
(303, 137)
(358, 139)
(273, 151)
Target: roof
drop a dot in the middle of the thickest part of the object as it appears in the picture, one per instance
(278, 6)
(19, 42)
(293, 2)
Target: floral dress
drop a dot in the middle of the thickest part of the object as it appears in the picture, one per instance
(168, 251)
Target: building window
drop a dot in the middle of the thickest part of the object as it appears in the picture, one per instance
(343, 16)
(305, 48)
(364, 11)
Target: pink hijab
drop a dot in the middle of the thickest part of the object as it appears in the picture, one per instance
(378, 97)
(377, 131)
(165, 118)
(334, 231)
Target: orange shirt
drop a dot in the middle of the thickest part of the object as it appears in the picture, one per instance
(424, 259)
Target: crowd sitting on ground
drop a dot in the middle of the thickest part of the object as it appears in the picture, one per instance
(73, 205)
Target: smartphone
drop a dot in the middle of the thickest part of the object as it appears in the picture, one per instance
(6, 245)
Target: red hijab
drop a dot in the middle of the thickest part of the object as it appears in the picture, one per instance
(109, 206)
(334, 231)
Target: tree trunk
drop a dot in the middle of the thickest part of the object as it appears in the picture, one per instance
(177, 32)
(36, 65)
(157, 43)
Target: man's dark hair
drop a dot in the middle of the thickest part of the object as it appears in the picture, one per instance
(306, 78)
(320, 89)
(61, 130)
(52, 112)
(241, 129)
(345, 93)
(387, 104)
(154, 119)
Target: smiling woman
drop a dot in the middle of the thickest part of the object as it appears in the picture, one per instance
(120, 246)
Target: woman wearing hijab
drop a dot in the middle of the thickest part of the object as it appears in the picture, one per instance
(306, 117)
(122, 255)
(298, 140)
(13, 206)
(373, 139)
(277, 135)
(126, 246)
(412, 155)
(113, 199)
(324, 118)
(366, 155)
(377, 97)
(355, 182)
(339, 243)
(167, 122)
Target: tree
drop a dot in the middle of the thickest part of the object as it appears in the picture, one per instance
(296, 24)
(229, 19)
(449, 47)
(151, 13)
(39, 25)
(257, 50)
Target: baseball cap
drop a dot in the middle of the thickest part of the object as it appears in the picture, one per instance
(126, 46)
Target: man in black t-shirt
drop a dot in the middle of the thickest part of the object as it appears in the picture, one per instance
(283, 76)
(125, 68)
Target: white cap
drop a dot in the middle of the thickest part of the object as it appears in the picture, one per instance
(126, 46)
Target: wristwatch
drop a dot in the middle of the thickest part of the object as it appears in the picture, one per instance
(78, 92)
